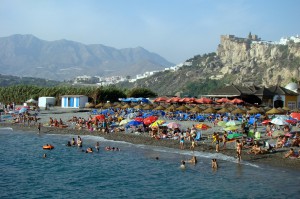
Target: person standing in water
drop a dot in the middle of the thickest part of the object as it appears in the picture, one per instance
(39, 127)
(239, 150)
(79, 141)
(97, 146)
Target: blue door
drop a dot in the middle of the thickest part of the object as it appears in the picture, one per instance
(71, 102)
(65, 102)
(77, 102)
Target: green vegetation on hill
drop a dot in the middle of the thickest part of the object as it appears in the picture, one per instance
(21, 93)
(9, 80)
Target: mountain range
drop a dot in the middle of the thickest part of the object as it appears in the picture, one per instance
(29, 56)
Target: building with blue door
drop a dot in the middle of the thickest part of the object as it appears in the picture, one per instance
(73, 101)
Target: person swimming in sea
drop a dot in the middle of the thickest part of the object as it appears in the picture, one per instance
(182, 166)
(193, 160)
(89, 150)
(68, 144)
(97, 146)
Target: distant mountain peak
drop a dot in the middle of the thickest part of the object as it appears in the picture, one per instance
(27, 55)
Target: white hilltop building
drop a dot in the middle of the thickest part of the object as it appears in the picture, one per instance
(148, 74)
(286, 40)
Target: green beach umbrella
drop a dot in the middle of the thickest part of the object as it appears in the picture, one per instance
(234, 135)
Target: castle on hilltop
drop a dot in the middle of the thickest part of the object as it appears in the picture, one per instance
(254, 39)
(246, 42)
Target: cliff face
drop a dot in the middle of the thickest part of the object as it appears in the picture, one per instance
(241, 61)
(268, 63)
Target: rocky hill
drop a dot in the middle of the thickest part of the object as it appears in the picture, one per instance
(242, 61)
(26, 55)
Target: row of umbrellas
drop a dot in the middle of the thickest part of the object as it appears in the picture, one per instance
(202, 100)
(197, 109)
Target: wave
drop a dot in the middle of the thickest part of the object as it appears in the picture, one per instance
(7, 128)
(207, 155)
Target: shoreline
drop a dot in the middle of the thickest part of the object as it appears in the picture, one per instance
(275, 159)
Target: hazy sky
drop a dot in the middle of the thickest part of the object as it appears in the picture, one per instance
(175, 29)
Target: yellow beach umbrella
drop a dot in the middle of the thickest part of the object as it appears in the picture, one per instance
(157, 123)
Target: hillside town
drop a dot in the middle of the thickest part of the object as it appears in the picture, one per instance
(249, 41)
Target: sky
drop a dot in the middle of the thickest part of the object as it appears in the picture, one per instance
(175, 29)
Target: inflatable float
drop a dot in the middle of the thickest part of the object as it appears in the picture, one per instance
(48, 147)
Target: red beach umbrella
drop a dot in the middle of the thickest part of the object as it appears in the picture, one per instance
(139, 119)
(295, 116)
(265, 122)
(99, 117)
(203, 100)
(149, 120)
(223, 100)
(236, 101)
(161, 99)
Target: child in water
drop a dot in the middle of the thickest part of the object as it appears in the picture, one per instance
(214, 164)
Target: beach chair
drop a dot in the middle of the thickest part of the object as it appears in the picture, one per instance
(198, 136)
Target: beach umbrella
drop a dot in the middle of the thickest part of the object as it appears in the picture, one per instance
(231, 128)
(277, 133)
(254, 110)
(295, 116)
(98, 117)
(139, 119)
(32, 101)
(148, 107)
(161, 99)
(173, 125)
(279, 121)
(89, 105)
(23, 110)
(196, 109)
(139, 106)
(222, 123)
(236, 101)
(232, 123)
(203, 100)
(286, 108)
(99, 105)
(157, 123)
(125, 121)
(209, 110)
(234, 135)
(149, 120)
(265, 122)
(238, 111)
(107, 105)
(223, 110)
(273, 111)
(171, 108)
(223, 100)
(160, 107)
(202, 126)
(126, 106)
(133, 123)
(291, 121)
(181, 108)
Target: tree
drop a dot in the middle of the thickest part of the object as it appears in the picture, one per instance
(141, 92)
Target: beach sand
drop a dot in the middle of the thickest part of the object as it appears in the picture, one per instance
(275, 159)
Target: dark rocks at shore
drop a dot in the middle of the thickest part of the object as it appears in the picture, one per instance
(275, 159)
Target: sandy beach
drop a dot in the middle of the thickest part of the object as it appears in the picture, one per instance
(274, 159)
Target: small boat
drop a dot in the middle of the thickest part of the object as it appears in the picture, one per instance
(48, 147)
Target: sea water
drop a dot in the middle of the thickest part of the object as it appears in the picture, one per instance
(132, 172)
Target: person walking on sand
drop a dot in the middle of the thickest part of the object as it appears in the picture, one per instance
(181, 141)
(193, 145)
(239, 150)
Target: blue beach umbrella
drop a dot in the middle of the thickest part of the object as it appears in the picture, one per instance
(23, 110)
(133, 123)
